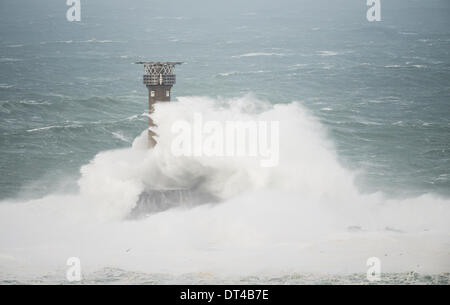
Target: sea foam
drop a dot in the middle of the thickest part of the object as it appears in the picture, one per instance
(298, 216)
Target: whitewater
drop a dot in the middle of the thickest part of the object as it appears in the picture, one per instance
(304, 216)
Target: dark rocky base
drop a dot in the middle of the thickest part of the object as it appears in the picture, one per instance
(154, 201)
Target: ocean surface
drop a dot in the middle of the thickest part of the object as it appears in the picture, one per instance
(364, 170)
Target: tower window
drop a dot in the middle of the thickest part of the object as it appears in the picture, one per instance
(167, 93)
(152, 93)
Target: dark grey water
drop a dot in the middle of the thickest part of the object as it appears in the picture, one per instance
(111, 276)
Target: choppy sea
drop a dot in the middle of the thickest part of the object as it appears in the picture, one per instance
(364, 170)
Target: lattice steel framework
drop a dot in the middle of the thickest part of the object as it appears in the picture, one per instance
(159, 73)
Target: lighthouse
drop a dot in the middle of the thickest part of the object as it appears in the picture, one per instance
(159, 79)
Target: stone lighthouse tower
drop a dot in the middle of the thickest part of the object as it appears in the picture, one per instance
(159, 79)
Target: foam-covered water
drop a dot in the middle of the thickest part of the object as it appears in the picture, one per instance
(304, 215)
(364, 157)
